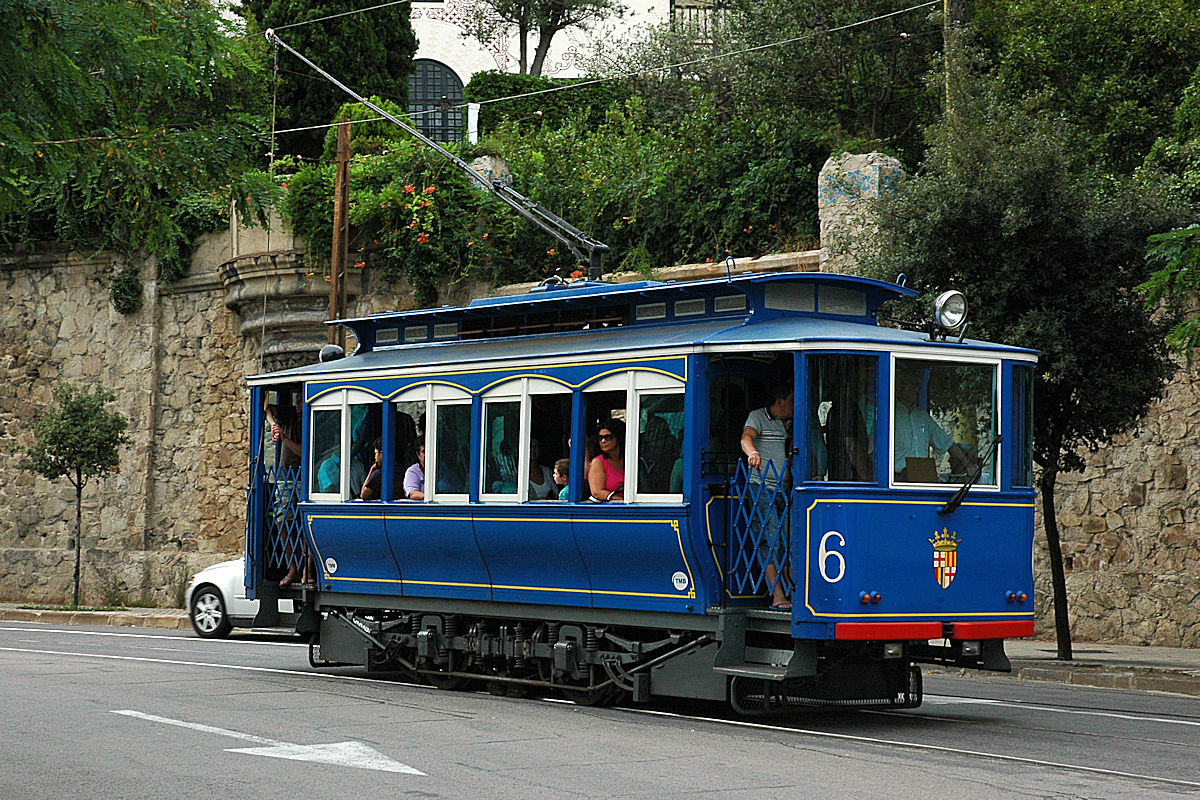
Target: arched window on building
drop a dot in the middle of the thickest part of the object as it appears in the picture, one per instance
(434, 91)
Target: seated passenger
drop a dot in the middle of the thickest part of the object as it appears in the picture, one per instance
(414, 477)
(541, 480)
(562, 469)
(329, 473)
(371, 486)
(606, 473)
(918, 435)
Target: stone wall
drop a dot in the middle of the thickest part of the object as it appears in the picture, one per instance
(175, 503)
(1129, 525)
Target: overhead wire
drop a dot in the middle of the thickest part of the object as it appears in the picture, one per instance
(590, 82)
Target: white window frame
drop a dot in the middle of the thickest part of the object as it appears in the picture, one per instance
(519, 390)
(339, 400)
(636, 383)
(434, 396)
(997, 418)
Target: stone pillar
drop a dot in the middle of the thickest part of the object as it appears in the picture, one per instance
(845, 190)
(280, 301)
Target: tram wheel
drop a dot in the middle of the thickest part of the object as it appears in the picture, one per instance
(914, 695)
(447, 683)
(607, 696)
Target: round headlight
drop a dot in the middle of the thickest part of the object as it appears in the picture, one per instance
(950, 309)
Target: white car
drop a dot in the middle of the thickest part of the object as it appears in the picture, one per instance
(216, 600)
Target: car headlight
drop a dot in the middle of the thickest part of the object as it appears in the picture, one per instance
(950, 310)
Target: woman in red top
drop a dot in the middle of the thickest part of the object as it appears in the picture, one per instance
(606, 473)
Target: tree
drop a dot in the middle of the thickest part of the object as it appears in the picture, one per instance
(372, 52)
(1011, 208)
(545, 17)
(126, 125)
(1115, 67)
(1176, 282)
(76, 438)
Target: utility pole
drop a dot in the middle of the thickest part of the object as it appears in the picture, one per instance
(952, 17)
(341, 230)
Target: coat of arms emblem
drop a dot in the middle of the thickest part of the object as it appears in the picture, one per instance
(945, 556)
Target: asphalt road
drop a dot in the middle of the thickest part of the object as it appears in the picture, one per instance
(121, 713)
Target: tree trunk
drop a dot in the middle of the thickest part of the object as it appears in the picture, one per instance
(78, 531)
(1062, 623)
(545, 34)
(523, 35)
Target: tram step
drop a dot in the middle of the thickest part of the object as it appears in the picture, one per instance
(767, 672)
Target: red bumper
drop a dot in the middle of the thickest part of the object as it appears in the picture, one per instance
(1008, 629)
(903, 631)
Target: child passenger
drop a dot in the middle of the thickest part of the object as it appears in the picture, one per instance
(561, 470)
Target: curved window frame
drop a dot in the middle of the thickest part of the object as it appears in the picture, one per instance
(517, 390)
(435, 397)
(340, 401)
(635, 384)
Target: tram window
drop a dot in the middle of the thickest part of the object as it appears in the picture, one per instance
(364, 431)
(409, 424)
(327, 451)
(453, 425)
(943, 421)
(599, 406)
(1022, 425)
(660, 444)
(841, 393)
(502, 429)
(550, 429)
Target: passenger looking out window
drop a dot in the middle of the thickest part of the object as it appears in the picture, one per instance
(541, 477)
(606, 474)
(414, 477)
(562, 469)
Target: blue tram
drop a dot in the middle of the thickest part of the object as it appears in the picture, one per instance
(889, 523)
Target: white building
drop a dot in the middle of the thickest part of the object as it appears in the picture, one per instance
(448, 55)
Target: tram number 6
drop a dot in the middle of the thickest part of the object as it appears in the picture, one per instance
(824, 555)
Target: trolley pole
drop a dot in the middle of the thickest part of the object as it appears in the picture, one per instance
(341, 230)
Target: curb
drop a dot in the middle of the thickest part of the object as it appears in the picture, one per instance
(1111, 676)
(167, 620)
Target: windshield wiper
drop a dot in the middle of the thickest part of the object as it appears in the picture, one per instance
(961, 494)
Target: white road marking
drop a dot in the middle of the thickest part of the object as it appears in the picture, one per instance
(650, 712)
(846, 737)
(346, 754)
(151, 636)
(940, 700)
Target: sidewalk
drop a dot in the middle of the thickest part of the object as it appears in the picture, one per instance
(1160, 669)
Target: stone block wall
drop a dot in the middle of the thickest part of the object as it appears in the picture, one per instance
(1130, 529)
(175, 503)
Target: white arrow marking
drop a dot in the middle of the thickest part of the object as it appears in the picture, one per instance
(346, 754)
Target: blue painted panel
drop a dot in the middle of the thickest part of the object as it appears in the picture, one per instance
(639, 557)
(531, 554)
(350, 548)
(436, 548)
(885, 546)
(570, 372)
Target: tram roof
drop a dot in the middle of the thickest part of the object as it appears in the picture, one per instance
(754, 329)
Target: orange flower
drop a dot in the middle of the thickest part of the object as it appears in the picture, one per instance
(551, 252)
(577, 273)
(430, 189)
(422, 237)
(409, 188)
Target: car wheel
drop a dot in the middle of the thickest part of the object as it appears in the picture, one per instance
(209, 616)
